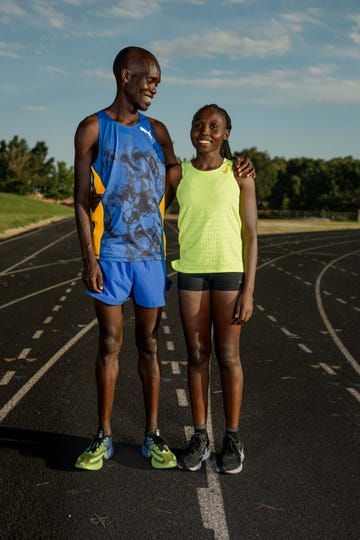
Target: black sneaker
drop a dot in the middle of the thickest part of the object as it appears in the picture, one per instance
(198, 450)
(232, 455)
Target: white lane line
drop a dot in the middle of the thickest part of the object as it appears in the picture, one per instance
(48, 320)
(341, 301)
(36, 253)
(210, 499)
(166, 329)
(11, 404)
(354, 393)
(170, 346)
(260, 308)
(62, 299)
(24, 354)
(189, 431)
(175, 368)
(182, 397)
(7, 377)
(38, 334)
(271, 318)
(357, 309)
(36, 293)
(335, 337)
(56, 308)
(327, 368)
(163, 315)
(304, 348)
(288, 333)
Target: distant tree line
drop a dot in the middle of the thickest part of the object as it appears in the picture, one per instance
(28, 171)
(301, 184)
(306, 184)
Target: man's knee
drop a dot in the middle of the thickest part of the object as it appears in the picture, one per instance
(109, 345)
(147, 344)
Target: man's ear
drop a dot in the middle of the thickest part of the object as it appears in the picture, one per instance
(125, 75)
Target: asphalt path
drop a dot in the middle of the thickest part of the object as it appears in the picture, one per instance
(300, 416)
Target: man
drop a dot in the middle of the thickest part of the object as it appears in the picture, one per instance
(122, 156)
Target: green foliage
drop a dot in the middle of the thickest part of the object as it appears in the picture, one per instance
(306, 184)
(26, 171)
(302, 183)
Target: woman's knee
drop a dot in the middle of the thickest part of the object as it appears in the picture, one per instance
(198, 357)
(228, 358)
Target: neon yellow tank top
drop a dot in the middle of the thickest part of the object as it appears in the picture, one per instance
(209, 221)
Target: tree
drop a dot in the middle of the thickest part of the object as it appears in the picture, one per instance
(60, 185)
(266, 173)
(15, 175)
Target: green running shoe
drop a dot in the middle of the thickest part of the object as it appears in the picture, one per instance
(93, 458)
(155, 447)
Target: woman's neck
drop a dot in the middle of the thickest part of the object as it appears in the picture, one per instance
(207, 162)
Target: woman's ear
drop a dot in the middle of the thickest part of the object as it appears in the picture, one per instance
(226, 134)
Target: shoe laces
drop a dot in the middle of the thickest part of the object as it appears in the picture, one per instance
(197, 441)
(230, 445)
(98, 439)
(159, 442)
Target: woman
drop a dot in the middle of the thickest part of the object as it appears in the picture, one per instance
(216, 277)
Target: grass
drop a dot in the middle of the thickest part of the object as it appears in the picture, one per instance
(18, 211)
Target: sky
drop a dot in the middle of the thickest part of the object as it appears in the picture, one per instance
(287, 72)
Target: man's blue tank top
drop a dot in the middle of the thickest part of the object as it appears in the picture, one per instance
(129, 174)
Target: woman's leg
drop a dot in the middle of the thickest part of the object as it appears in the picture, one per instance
(227, 348)
(196, 322)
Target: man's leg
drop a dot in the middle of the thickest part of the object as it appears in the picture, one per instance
(110, 320)
(147, 322)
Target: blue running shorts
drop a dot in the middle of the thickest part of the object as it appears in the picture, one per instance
(142, 281)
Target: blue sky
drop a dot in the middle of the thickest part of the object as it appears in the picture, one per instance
(288, 72)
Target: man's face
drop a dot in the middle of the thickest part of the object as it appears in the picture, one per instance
(142, 83)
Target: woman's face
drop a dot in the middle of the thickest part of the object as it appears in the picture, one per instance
(208, 131)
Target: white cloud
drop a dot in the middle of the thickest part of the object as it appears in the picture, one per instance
(46, 11)
(99, 74)
(53, 69)
(222, 42)
(134, 9)
(321, 69)
(9, 49)
(354, 34)
(11, 8)
(311, 86)
(34, 108)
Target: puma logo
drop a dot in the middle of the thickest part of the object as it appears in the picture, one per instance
(148, 132)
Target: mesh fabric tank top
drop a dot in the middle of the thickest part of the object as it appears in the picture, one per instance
(129, 174)
(209, 221)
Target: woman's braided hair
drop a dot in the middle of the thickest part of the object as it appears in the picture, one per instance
(225, 147)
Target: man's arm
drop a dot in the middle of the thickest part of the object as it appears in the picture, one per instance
(86, 139)
(243, 167)
(172, 165)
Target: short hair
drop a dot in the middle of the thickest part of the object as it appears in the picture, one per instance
(130, 56)
(225, 147)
